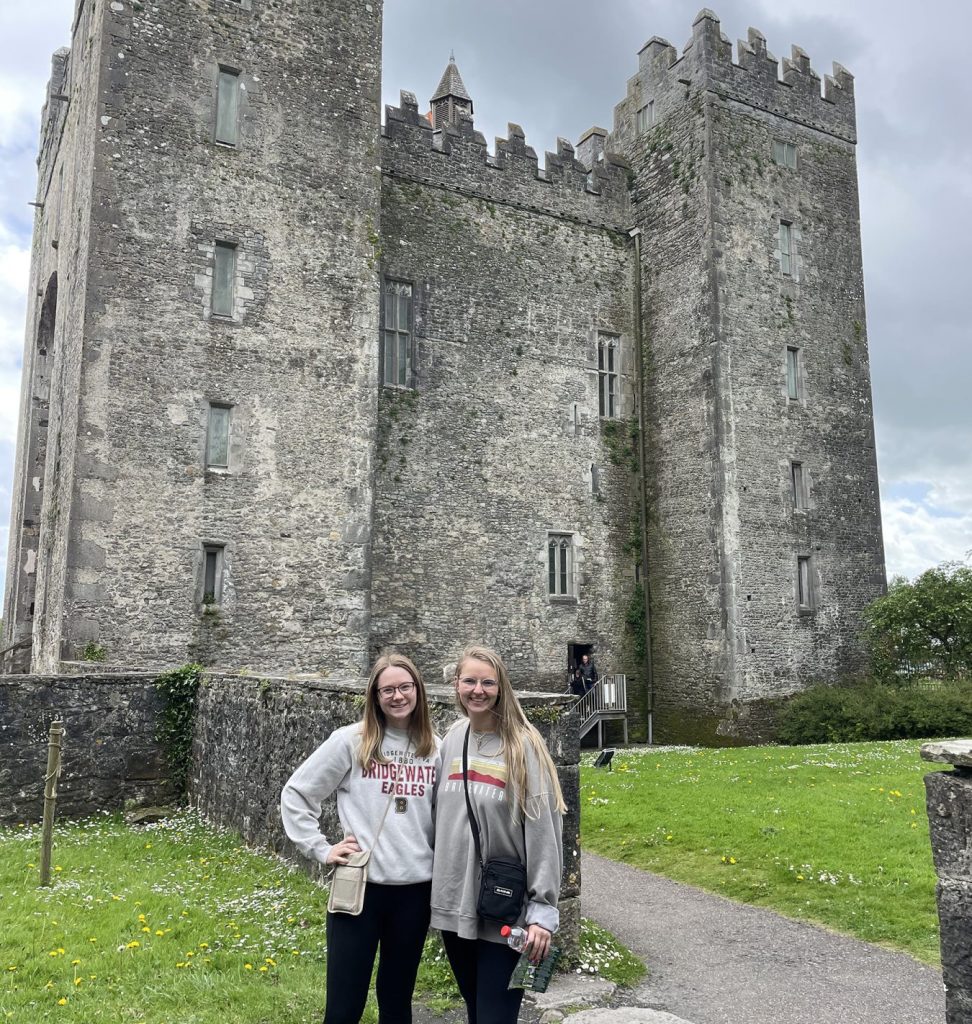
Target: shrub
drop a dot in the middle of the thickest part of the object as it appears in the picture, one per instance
(874, 710)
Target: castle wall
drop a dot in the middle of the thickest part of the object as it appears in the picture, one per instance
(47, 435)
(295, 358)
(729, 631)
(492, 447)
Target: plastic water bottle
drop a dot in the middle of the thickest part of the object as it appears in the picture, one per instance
(515, 937)
(527, 974)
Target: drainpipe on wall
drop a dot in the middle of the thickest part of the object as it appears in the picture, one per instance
(635, 233)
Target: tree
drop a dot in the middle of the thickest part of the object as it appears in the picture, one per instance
(924, 627)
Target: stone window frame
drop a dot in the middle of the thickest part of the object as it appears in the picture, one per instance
(408, 334)
(561, 562)
(609, 342)
(785, 154)
(793, 374)
(799, 489)
(646, 117)
(212, 571)
(229, 71)
(805, 590)
(209, 464)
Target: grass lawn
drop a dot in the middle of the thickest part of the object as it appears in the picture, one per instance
(835, 834)
(177, 923)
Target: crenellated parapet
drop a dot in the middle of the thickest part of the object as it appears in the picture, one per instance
(790, 88)
(456, 157)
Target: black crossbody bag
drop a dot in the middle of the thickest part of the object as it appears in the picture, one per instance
(502, 883)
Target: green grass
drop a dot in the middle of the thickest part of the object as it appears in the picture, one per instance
(836, 834)
(178, 923)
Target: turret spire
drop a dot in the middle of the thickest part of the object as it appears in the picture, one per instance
(450, 97)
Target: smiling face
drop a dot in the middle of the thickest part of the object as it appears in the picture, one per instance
(397, 695)
(478, 690)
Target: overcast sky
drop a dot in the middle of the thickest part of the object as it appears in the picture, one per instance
(557, 67)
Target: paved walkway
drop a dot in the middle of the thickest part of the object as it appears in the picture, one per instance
(712, 961)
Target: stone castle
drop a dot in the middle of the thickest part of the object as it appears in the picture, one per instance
(299, 384)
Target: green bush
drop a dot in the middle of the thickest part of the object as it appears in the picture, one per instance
(872, 710)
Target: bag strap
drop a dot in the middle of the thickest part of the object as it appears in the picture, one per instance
(391, 800)
(473, 824)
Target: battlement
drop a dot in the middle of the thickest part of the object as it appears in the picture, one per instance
(53, 115)
(790, 88)
(457, 157)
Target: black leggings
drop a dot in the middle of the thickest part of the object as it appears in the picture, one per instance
(396, 918)
(483, 970)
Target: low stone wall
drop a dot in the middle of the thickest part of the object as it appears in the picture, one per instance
(949, 796)
(252, 733)
(110, 757)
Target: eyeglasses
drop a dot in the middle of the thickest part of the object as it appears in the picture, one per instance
(467, 683)
(387, 692)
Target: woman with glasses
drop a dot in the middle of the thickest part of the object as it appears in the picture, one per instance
(383, 771)
(517, 804)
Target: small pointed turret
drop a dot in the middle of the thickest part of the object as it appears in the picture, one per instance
(450, 97)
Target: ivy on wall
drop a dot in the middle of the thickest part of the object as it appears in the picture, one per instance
(179, 689)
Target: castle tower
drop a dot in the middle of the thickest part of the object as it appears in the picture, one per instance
(764, 521)
(450, 98)
(201, 363)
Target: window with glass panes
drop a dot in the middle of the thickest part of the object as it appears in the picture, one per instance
(227, 106)
(560, 565)
(607, 375)
(646, 116)
(793, 373)
(224, 278)
(397, 333)
(217, 436)
(786, 248)
(784, 154)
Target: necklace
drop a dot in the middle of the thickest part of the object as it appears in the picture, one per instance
(482, 739)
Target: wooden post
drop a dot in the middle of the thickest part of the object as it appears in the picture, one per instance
(50, 798)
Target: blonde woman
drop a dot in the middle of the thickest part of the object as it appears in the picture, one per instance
(383, 770)
(517, 803)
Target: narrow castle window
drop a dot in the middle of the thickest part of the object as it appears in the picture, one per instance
(397, 333)
(794, 383)
(646, 117)
(227, 106)
(212, 591)
(798, 492)
(804, 588)
(560, 565)
(224, 278)
(607, 375)
(217, 436)
(786, 248)
(784, 154)
(595, 481)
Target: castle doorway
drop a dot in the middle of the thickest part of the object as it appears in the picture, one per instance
(575, 651)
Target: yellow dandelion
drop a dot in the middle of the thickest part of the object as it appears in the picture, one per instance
(248, 967)
(204, 945)
(134, 944)
(74, 963)
(271, 961)
(264, 969)
(159, 932)
(145, 928)
(57, 867)
(77, 981)
(62, 1001)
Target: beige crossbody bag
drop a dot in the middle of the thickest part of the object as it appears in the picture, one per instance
(348, 881)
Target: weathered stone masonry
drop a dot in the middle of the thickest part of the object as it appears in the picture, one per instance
(352, 515)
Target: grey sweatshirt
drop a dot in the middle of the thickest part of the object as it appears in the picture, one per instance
(536, 841)
(404, 851)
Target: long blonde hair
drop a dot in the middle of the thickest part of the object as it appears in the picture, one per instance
(515, 733)
(373, 721)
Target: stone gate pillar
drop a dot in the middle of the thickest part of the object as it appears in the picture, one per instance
(949, 796)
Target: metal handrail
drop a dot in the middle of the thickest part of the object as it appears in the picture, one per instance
(609, 694)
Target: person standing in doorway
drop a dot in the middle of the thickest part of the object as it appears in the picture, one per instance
(588, 672)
